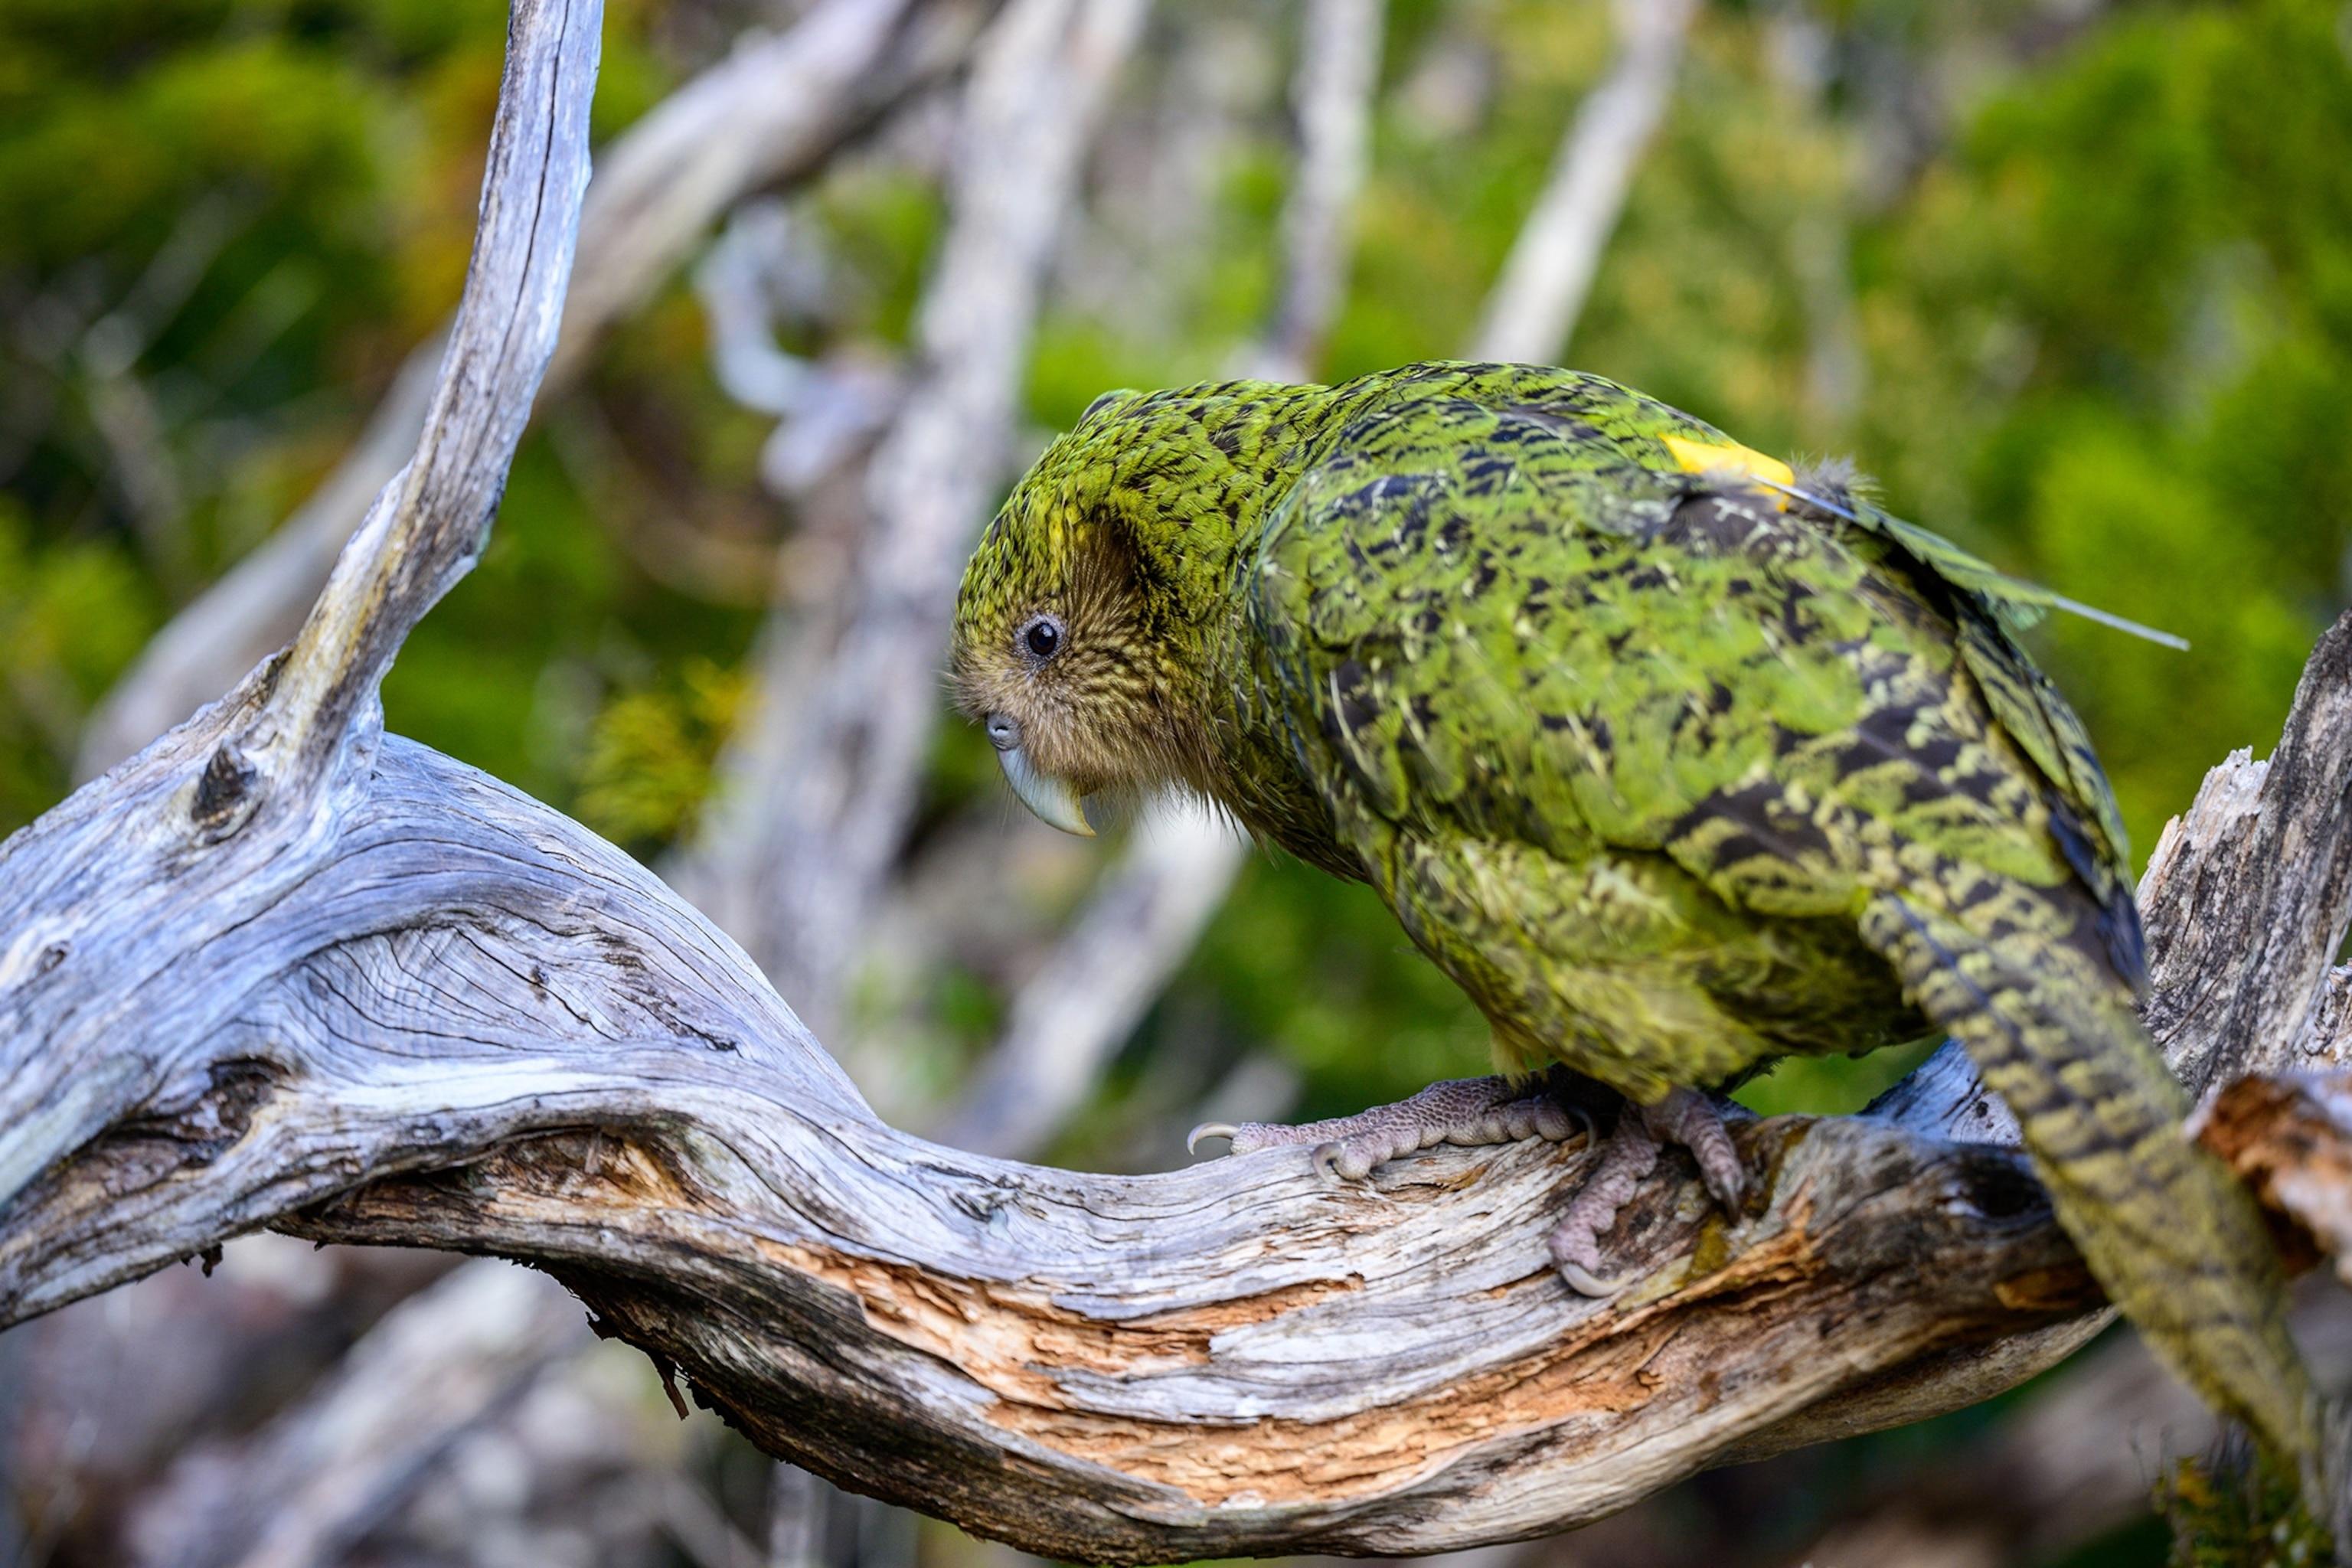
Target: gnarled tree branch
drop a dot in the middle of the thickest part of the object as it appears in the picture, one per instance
(281, 970)
(501, 1036)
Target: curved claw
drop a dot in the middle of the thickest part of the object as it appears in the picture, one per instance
(1224, 1130)
(1585, 1282)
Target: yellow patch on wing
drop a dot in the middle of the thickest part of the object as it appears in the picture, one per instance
(1727, 456)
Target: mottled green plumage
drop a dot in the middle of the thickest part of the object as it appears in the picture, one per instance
(1674, 766)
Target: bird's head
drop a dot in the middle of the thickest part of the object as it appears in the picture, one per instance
(1086, 618)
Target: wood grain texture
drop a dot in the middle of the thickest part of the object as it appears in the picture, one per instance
(447, 1017)
(283, 970)
(542, 1054)
(2248, 893)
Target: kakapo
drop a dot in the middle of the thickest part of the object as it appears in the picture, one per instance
(1674, 760)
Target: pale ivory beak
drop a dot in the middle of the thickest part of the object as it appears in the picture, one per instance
(1053, 801)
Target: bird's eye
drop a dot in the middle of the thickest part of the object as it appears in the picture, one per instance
(1041, 636)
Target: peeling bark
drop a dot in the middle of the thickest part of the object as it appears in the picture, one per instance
(2289, 1139)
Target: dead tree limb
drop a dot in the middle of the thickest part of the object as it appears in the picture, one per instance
(1148, 912)
(770, 112)
(816, 793)
(301, 1492)
(2280, 831)
(467, 1024)
(220, 819)
(283, 970)
(1552, 263)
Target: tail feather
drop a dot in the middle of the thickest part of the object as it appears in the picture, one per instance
(2176, 1244)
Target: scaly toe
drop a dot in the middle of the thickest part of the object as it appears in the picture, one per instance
(1544, 1116)
(1690, 1119)
(1346, 1160)
(1467, 1111)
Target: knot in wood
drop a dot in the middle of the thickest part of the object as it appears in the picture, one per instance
(225, 792)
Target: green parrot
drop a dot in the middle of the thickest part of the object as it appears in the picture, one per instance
(1674, 760)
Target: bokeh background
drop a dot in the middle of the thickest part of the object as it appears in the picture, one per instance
(2071, 281)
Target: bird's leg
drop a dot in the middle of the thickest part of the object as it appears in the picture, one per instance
(1461, 1111)
(1685, 1117)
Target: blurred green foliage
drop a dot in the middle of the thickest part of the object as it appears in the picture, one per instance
(652, 752)
(69, 616)
(2075, 285)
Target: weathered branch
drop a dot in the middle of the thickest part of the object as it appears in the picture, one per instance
(1148, 912)
(771, 111)
(2230, 983)
(815, 794)
(300, 1492)
(214, 818)
(1231, 1357)
(466, 1024)
(1552, 263)
(428, 526)
(281, 970)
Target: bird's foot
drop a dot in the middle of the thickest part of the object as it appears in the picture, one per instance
(1685, 1117)
(1469, 1110)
